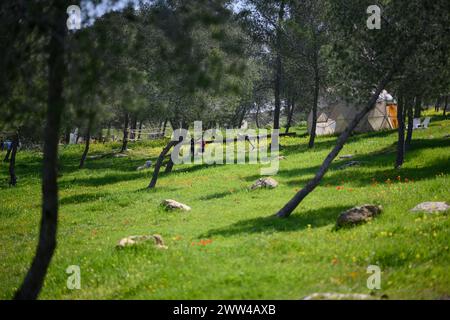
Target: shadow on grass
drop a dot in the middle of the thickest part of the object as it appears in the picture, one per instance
(194, 168)
(377, 159)
(83, 198)
(331, 142)
(298, 221)
(364, 179)
(157, 189)
(102, 180)
(214, 196)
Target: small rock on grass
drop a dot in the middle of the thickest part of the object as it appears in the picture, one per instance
(357, 215)
(431, 207)
(170, 204)
(264, 183)
(147, 165)
(133, 240)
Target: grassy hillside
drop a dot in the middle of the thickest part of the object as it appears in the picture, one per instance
(251, 254)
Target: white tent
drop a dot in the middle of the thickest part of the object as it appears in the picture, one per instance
(334, 115)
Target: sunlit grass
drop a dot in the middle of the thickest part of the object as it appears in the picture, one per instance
(230, 246)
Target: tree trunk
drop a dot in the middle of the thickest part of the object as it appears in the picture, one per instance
(100, 134)
(437, 106)
(108, 132)
(312, 184)
(67, 136)
(401, 134)
(34, 279)
(170, 163)
(133, 128)
(164, 128)
(169, 166)
(140, 130)
(159, 163)
(125, 134)
(12, 161)
(446, 105)
(86, 147)
(418, 107)
(278, 71)
(276, 113)
(289, 117)
(8, 153)
(257, 116)
(409, 131)
(312, 136)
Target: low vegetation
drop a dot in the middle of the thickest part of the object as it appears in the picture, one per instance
(230, 246)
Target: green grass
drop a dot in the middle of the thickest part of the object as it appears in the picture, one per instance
(252, 255)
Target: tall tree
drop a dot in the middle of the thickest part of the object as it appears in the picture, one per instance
(265, 22)
(87, 141)
(199, 58)
(401, 132)
(34, 279)
(307, 30)
(376, 53)
(12, 160)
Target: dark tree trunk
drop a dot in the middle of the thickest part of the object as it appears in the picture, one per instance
(171, 143)
(438, 104)
(125, 134)
(8, 153)
(164, 128)
(34, 279)
(67, 136)
(169, 166)
(140, 130)
(159, 163)
(86, 147)
(276, 113)
(100, 135)
(409, 131)
(12, 161)
(446, 105)
(257, 116)
(312, 136)
(133, 128)
(401, 134)
(108, 132)
(170, 163)
(289, 116)
(312, 184)
(278, 71)
(418, 107)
